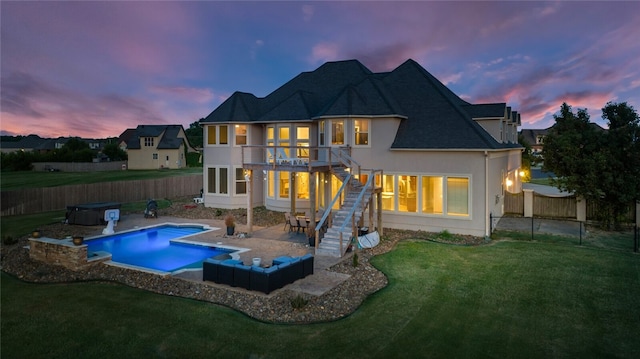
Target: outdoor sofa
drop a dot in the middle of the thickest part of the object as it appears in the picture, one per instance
(283, 270)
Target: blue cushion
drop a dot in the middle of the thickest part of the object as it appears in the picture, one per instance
(231, 262)
(214, 261)
(281, 259)
(257, 269)
(271, 269)
(242, 266)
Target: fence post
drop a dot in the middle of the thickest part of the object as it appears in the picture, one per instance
(531, 227)
(580, 232)
(636, 233)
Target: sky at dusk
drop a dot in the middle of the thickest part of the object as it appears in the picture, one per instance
(94, 69)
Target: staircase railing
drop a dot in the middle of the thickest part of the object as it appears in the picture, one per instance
(328, 211)
(344, 156)
(350, 215)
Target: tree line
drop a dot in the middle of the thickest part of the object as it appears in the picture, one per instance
(74, 150)
(600, 166)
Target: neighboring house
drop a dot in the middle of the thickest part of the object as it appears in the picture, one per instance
(125, 137)
(27, 143)
(435, 161)
(158, 146)
(535, 138)
(52, 144)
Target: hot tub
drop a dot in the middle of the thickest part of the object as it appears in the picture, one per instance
(89, 214)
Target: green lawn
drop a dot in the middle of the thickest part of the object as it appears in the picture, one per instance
(18, 226)
(510, 299)
(32, 179)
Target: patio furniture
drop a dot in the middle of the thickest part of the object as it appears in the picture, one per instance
(284, 270)
(293, 223)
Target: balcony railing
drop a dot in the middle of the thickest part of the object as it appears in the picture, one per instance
(302, 158)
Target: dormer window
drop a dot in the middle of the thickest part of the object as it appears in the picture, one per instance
(148, 141)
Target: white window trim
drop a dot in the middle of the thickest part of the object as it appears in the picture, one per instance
(419, 212)
(217, 189)
(235, 182)
(217, 127)
(329, 132)
(247, 135)
(353, 132)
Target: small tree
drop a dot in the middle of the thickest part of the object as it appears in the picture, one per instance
(194, 134)
(114, 152)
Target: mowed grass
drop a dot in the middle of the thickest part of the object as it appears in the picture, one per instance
(511, 299)
(32, 179)
(18, 226)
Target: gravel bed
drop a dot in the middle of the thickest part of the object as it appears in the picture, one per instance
(277, 307)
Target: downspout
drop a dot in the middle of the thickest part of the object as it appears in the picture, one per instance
(487, 224)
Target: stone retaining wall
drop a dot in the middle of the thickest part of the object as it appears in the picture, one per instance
(61, 252)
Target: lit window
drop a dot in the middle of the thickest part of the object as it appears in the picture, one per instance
(388, 193)
(241, 135)
(302, 185)
(361, 132)
(283, 139)
(431, 195)
(271, 184)
(217, 135)
(457, 196)
(302, 140)
(407, 193)
(337, 132)
(223, 134)
(321, 133)
(284, 184)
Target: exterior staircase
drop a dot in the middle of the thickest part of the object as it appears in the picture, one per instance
(344, 222)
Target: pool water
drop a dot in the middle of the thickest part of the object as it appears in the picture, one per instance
(155, 248)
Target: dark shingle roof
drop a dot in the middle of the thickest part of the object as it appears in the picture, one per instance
(169, 140)
(28, 143)
(433, 117)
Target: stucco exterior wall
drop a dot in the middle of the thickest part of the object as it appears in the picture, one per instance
(486, 172)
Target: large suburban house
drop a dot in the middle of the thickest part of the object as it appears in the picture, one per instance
(157, 146)
(397, 147)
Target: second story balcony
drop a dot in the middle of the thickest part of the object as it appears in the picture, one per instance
(296, 158)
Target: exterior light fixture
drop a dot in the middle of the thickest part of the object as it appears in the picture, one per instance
(509, 182)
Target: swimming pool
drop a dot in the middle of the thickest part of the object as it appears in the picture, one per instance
(156, 247)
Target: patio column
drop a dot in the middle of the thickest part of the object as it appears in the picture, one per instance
(248, 176)
(292, 194)
(379, 212)
(312, 201)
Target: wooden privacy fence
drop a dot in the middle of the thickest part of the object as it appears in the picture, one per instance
(36, 200)
(554, 207)
(558, 207)
(514, 203)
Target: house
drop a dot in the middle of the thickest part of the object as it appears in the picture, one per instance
(26, 144)
(124, 138)
(157, 146)
(397, 147)
(535, 137)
